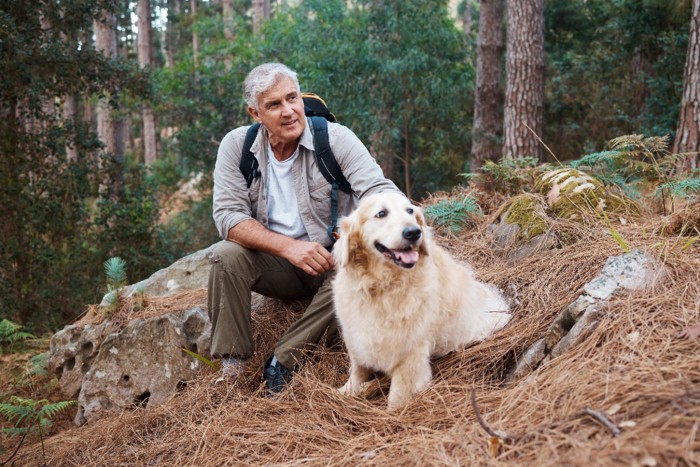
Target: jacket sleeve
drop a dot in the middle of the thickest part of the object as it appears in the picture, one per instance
(357, 164)
(231, 203)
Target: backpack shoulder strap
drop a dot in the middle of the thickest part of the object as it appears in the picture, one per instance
(324, 155)
(249, 164)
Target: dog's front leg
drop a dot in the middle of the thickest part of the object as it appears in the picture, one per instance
(359, 375)
(409, 378)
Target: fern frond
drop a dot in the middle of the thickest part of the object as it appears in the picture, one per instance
(49, 411)
(606, 157)
(453, 214)
(685, 188)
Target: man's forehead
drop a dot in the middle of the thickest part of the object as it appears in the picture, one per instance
(280, 89)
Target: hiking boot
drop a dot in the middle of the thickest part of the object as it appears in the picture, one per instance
(276, 375)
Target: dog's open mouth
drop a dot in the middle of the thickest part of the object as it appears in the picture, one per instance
(406, 258)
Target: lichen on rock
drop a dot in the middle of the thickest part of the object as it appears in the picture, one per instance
(575, 195)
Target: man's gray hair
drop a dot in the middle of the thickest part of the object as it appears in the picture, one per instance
(262, 78)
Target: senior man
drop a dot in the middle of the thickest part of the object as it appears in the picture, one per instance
(275, 231)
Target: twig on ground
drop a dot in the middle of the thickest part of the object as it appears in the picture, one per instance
(496, 434)
(602, 419)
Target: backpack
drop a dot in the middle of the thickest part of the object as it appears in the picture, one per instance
(319, 116)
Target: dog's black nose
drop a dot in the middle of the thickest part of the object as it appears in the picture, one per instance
(411, 233)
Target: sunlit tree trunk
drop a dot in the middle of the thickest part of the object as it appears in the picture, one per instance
(109, 127)
(195, 35)
(523, 118)
(227, 9)
(145, 52)
(488, 96)
(688, 131)
(261, 12)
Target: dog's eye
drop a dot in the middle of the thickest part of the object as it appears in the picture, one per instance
(381, 214)
(409, 210)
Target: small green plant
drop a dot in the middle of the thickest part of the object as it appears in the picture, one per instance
(509, 176)
(38, 365)
(115, 272)
(31, 417)
(453, 215)
(11, 333)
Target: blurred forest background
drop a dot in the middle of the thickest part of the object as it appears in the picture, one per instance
(108, 107)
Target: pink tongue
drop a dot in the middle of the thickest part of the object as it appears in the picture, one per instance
(406, 257)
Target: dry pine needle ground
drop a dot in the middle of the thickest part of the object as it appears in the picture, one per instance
(639, 371)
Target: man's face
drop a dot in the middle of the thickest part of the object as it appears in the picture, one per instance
(281, 110)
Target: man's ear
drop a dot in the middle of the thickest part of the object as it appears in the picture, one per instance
(254, 113)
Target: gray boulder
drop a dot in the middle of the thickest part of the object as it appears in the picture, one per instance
(627, 272)
(144, 365)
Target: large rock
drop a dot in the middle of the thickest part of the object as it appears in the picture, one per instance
(189, 272)
(144, 365)
(630, 271)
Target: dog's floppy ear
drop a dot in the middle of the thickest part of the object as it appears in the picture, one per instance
(341, 249)
(427, 233)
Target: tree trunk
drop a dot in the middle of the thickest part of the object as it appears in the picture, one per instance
(688, 131)
(261, 12)
(109, 128)
(488, 95)
(70, 109)
(145, 52)
(171, 33)
(524, 100)
(227, 7)
(195, 35)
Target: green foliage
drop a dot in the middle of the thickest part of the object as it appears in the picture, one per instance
(115, 272)
(452, 214)
(632, 160)
(510, 176)
(613, 67)
(31, 417)
(39, 365)
(686, 188)
(11, 333)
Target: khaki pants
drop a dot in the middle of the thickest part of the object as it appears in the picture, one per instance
(235, 272)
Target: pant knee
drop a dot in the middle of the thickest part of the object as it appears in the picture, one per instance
(230, 256)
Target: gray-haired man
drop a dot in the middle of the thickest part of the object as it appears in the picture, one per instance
(275, 238)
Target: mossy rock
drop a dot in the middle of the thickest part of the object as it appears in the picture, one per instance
(575, 195)
(523, 227)
(527, 211)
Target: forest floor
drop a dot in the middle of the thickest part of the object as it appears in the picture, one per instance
(628, 395)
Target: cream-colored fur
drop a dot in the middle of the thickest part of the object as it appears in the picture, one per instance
(401, 299)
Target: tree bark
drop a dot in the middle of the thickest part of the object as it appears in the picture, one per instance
(688, 130)
(145, 52)
(109, 127)
(195, 35)
(227, 8)
(261, 12)
(524, 100)
(488, 94)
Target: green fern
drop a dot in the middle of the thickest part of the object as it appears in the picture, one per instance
(454, 215)
(11, 333)
(39, 365)
(509, 176)
(686, 188)
(31, 417)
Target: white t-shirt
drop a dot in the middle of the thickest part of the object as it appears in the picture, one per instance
(282, 208)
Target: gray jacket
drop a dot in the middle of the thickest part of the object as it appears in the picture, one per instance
(234, 202)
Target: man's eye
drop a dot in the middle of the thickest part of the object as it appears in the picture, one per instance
(381, 214)
(293, 98)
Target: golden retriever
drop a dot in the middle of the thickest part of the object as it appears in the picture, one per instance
(401, 299)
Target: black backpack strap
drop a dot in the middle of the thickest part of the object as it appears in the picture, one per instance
(330, 169)
(324, 156)
(249, 164)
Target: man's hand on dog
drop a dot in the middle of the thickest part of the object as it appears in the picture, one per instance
(310, 257)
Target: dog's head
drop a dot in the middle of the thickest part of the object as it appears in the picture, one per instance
(386, 229)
